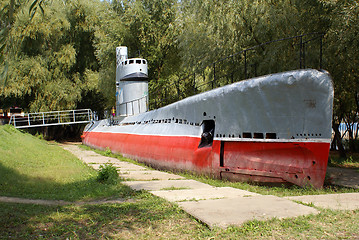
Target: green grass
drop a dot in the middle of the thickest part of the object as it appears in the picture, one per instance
(154, 218)
(33, 168)
(352, 160)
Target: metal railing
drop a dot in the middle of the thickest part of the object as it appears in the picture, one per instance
(296, 52)
(53, 118)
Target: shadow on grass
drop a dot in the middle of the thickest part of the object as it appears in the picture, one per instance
(124, 220)
(15, 184)
(28, 221)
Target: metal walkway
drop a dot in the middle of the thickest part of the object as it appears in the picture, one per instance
(44, 119)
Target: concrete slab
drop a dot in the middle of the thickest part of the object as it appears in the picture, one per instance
(125, 166)
(78, 152)
(97, 159)
(95, 166)
(134, 168)
(342, 201)
(202, 194)
(148, 175)
(235, 211)
(166, 184)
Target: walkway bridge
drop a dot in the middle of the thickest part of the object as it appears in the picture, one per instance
(54, 118)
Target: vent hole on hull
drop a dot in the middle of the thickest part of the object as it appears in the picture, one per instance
(247, 135)
(272, 136)
(258, 135)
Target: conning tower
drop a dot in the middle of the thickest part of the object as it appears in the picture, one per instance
(131, 84)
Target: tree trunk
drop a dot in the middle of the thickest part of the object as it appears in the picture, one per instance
(338, 140)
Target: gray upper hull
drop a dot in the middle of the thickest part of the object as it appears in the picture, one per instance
(292, 105)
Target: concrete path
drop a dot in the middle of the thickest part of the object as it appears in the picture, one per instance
(215, 206)
(343, 201)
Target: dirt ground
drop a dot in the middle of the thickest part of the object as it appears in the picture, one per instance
(344, 177)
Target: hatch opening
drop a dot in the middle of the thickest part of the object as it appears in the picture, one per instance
(207, 133)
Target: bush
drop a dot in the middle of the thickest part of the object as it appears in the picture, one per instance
(108, 152)
(107, 174)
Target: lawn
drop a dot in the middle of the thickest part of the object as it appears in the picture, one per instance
(36, 169)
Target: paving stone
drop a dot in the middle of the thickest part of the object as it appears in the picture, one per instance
(124, 166)
(148, 175)
(235, 211)
(166, 184)
(342, 201)
(202, 194)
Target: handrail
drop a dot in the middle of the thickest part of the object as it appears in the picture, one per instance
(53, 118)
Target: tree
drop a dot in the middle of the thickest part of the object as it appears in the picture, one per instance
(343, 62)
(53, 63)
(149, 29)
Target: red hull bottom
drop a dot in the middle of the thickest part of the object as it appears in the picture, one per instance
(300, 163)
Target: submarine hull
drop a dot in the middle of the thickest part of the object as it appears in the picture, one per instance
(272, 129)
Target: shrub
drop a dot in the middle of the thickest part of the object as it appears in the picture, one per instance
(107, 173)
(108, 152)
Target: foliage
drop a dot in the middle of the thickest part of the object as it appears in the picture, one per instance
(61, 54)
(52, 63)
(352, 160)
(149, 29)
(342, 60)
(107, 173)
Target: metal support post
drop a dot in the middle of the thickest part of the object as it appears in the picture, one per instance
(245, 64)
(321, 53)
(214, 76)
